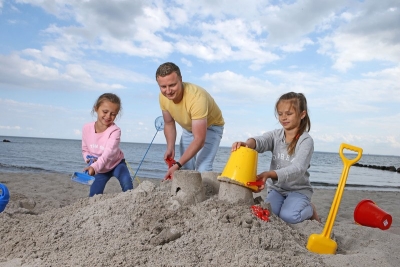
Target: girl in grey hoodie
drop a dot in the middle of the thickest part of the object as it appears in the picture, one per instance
(288, 184)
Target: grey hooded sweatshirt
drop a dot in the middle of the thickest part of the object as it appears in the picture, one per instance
(292, 171)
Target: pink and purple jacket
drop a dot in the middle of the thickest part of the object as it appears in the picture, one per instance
(104, 146)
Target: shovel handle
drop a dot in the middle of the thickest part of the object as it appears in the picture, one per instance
(256, 183)
(346, 161)
(91, 159)
(342, 182)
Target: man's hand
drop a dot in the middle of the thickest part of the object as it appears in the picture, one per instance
(170, 162)
(170, 173)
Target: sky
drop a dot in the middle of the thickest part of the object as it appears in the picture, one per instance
(58, 56)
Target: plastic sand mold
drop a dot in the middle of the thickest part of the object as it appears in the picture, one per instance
(84, 177)
(4, 197)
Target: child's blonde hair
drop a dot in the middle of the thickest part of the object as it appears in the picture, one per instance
(113, 98)
(299, 103)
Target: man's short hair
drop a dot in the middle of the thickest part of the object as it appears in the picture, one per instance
(166, 69)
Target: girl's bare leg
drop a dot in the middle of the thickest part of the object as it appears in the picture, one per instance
(315, 214)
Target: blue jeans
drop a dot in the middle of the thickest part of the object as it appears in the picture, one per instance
(204, 159)
(292, 208)
(120, 172)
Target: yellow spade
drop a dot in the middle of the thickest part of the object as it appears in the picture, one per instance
(321, 243)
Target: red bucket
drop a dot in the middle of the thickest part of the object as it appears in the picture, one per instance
(367, 213)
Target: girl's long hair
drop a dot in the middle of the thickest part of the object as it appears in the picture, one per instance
(113, 98)
(299, 102)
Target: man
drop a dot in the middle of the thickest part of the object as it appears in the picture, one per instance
(196, 112)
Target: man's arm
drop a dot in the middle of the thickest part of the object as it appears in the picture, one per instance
(199, 131)
(170, 134)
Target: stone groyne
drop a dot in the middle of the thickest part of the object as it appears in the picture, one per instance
(383, 168)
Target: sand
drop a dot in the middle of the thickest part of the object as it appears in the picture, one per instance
(50, 221)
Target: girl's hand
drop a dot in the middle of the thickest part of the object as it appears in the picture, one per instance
(238, 144)
(262, 177)
(90, 170)
(93, 160)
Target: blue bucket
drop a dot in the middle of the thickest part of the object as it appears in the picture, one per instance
(4, 197)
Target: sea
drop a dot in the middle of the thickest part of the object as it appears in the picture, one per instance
(35, 155)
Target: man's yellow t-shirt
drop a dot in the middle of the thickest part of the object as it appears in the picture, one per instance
(196, 104)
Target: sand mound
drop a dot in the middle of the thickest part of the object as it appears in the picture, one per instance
(147, 227)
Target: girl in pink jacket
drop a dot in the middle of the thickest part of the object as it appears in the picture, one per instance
(100, 139)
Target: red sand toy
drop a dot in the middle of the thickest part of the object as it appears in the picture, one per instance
(170, 163)
(261, 213)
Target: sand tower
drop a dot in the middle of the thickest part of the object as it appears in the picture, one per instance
(240, 169)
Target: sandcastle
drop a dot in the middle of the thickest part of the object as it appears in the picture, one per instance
(239, 171)
(190, 187)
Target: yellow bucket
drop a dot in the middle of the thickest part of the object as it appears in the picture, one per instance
(241, 167)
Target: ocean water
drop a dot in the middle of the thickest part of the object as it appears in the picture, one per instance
(25, 154)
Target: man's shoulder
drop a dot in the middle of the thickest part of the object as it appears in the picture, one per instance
(194, 91)
(192, 87)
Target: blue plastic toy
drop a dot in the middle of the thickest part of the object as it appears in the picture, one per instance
(4, 197)
(84, 177)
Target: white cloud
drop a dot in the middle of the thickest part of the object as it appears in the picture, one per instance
(246, 54)
(348, 49)
(390, 73)
(10, 127)
(27, 74)
(239, 88)
(186, 62)
(47, 54)
(292, 21)
(297, 47)
(369, 34)
(77, 133)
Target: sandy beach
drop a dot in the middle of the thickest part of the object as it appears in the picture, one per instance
(50, 221)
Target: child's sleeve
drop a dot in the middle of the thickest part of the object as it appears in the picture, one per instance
(264, 142)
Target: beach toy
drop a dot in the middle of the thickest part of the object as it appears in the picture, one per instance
(159, 124)
(4, 197)
(256, 183)
(170, 163)
(241, 168)
(261, 213)
(84, 177)
(367, 213)
(321, 243)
